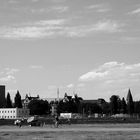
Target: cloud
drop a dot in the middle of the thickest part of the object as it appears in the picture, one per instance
(113, 72)
(93, 75)
(7, 75)
(137, 11)
(8, 78)
(100, 8)
(57, 27)
(59, 9)
(11, 71)
(52, 9)
(70, 86)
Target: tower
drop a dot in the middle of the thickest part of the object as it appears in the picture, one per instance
(2, 96)
(58, 94)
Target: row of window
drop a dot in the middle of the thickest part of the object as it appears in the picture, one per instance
(7, 111)
(8, 117)
(13, 111)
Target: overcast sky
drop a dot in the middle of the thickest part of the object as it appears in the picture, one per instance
(88, 47)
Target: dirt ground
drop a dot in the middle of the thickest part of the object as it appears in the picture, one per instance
(72, 132)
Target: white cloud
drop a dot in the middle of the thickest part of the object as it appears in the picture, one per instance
(100, 8)
(54, 28)
(7, 75)
(8, 78)
(93, 75)
(11, 71)
(70, 86)
(52, 9)
(50, 22)
(114, 72)
(137, 11)
(107, 26)
(59, 9)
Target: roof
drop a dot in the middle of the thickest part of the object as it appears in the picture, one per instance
(89, 101)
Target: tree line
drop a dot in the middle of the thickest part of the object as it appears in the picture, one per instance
(76, 105)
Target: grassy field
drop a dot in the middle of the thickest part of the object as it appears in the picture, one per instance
(72, 132)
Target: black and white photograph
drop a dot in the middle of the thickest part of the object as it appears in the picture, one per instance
(69, 69)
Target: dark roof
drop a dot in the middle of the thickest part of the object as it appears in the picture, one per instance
(98, 101)
(89, 101)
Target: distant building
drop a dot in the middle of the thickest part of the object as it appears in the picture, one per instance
(14, 113)
(27, 100)
(2, 96)
(67, 98)
(99, 101)
(89, 107)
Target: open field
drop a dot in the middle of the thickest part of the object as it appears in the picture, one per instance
(72, 132)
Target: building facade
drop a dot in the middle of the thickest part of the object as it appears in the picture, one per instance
(14, 113)
(2, 96)
(28, 99)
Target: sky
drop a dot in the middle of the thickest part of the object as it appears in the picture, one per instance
(88, 47)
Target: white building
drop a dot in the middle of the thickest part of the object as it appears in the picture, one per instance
(13, 113)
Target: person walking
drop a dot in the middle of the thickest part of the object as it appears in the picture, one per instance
(56, 121)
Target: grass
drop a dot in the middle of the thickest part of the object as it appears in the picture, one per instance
(73, 132)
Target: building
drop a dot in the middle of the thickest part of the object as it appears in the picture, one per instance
(2, 96)
(99, 101)
(27, 100)
(88, 107)
(14, 113)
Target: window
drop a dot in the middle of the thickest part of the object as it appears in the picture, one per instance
(8, 111)
(11, 111)
(11, 116)
(5, 111)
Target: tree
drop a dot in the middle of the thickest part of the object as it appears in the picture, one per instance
(66, 106)
(137, 107)
(106, 108)
(18, 102)
(39, 107)
(130, 103)
(76, 103)
(123, 106)
(114, 104)
(8, 101)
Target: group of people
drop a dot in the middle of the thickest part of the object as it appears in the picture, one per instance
(56, 121)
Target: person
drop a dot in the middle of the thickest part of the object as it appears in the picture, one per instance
(18, 123)
(56, 121)
(69, 121)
